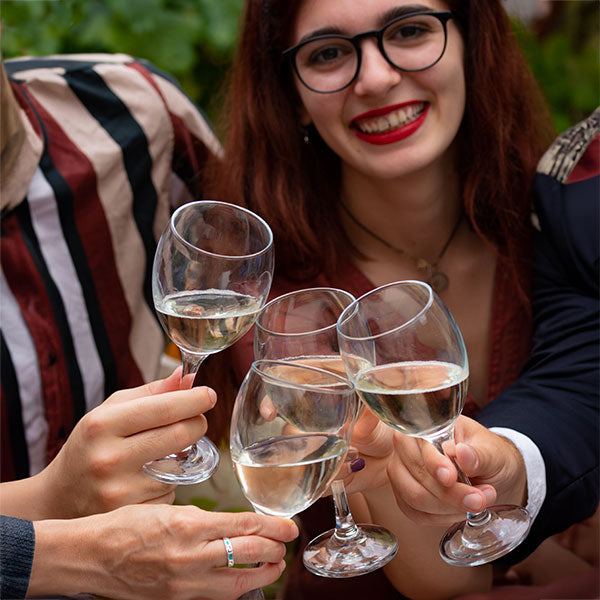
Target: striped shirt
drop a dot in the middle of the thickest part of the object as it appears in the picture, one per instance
(111, 146)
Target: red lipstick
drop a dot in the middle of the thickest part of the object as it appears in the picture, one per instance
(395, 135)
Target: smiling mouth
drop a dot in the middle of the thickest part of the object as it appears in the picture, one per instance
(393, 120)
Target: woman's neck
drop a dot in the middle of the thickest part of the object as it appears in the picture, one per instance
(416, 211)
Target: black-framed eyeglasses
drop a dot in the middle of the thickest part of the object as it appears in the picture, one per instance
(330, 63)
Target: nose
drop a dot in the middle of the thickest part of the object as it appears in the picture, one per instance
(376, 74)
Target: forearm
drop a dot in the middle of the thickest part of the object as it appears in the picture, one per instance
(63, 561)
(24, 499)
(410, 572)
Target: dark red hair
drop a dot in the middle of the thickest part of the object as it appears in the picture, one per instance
(296, 187)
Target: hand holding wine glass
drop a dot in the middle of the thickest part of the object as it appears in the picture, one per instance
(406, 356)
(212, 273)
(300, 328)
(290, 431)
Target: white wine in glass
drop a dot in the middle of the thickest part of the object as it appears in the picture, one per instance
(285, 464)
(212, 273)
(406, 356)
(300, 328)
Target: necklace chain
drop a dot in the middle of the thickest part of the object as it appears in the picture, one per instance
(438, 280)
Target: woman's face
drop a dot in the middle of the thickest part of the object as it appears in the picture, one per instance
(424, 109)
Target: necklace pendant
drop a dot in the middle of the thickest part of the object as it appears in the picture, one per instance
(422, 264)
(439, 282)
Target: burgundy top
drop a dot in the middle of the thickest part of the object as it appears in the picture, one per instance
(510, 346)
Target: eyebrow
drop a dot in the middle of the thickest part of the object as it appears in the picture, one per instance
(386, 17)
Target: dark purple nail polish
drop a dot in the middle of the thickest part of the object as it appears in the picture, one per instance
(357, 464)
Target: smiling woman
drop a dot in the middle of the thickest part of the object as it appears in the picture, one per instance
(381, 141)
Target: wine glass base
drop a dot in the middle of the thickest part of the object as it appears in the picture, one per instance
(192, 465)
(257, 594)
(464, 545)
(329, 556)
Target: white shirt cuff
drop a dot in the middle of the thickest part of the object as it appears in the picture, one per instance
(534, 467)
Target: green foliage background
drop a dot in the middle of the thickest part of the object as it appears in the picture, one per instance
(194, 40)
(191, 39)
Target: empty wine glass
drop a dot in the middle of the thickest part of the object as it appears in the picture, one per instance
(290, 431)
(212, 273)
(300, 328)
(406, 356)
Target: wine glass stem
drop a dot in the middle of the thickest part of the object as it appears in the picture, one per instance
(473, 519)
(191, 363)
(345, 527)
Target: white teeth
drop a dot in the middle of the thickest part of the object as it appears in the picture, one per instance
(395, 119)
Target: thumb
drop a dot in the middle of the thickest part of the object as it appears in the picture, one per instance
(475, 466)
(468, 459)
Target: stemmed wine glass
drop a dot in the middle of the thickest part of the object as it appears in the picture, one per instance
(212, 273)
(406, 356)
(290, 431)
(300, 328)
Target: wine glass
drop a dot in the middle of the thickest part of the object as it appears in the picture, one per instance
(406, 356)
(212, 273)
(290, 431)
(300, 328)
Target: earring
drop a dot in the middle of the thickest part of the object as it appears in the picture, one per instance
(305, 138)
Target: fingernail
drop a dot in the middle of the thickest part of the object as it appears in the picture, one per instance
(212, 395)
(295, 530)
(357, 464)
(443, 476)
(351, 454)
(490, 497)
(472, 502)
(469, 457)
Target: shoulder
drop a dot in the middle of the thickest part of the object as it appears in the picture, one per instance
(567, 201)
(107, 67)
(113, 87)
(570, 149)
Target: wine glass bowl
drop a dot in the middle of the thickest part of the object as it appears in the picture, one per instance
(300, 328)
(211, 275)
(285, 464)
(213, 270)
(406, 356)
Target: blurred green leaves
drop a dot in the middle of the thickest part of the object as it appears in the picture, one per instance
(191, 39)
(566, 61)
(194, 41)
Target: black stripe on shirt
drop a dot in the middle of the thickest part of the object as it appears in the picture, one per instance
(58, 308)
(114, 116)
(65, 202)
(14, 412)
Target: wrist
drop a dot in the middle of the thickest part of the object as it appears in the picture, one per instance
(516, 478)
(51, 501)
(25, 498)
(62, 561)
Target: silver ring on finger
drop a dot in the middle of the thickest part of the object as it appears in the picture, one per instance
(229, 550)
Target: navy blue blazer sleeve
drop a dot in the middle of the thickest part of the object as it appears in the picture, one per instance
(555, 401)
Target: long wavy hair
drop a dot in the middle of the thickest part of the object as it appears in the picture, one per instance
(296, 186)
(268, 168)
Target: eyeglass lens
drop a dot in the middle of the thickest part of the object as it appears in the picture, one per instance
(412, 43)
